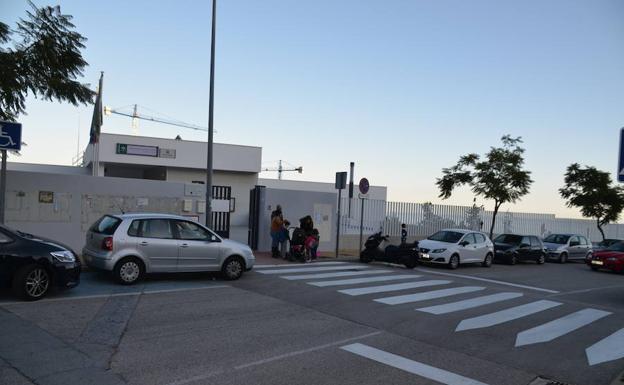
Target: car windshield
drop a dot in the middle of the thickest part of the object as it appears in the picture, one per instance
(618, 246)
(446, 236)
(557, 238)
(510, 239)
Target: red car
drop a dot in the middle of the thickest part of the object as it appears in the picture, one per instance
(611, 258)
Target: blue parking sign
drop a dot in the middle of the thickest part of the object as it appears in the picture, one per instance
(10, 136)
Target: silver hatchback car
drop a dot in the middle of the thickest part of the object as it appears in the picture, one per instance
(131, 245)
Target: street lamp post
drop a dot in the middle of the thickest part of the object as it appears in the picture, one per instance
(210, 120)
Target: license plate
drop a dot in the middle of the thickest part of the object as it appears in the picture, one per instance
(426, 256)
(597, 263)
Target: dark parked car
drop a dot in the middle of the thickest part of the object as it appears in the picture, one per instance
(512, 248)
(33, 266)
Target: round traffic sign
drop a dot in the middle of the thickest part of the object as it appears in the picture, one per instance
(364, 186)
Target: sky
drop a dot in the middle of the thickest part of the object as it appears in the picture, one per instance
(402, 88)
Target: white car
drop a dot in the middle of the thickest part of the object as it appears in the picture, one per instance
(454, 246)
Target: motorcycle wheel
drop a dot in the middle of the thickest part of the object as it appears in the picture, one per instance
(365, 258)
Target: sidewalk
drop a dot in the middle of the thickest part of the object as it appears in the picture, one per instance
(264, 258)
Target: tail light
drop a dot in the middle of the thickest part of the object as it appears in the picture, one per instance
(107, 244)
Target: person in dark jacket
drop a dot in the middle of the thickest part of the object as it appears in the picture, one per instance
(277, 223)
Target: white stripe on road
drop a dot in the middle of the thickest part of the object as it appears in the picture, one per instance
(311, 268)
(559, 327)
(469, 303)
(490, 280)
(355, 281)
(608, 349)
(331, 275)
(410, 366)
(393, 287)
(400, 299)
(506, 315)
(286, 264)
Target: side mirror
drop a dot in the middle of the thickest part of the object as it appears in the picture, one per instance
(463, 243)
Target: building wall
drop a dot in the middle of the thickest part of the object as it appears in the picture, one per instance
(79, 200)
(375, 192)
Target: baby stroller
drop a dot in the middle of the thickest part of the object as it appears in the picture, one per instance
(297, 245)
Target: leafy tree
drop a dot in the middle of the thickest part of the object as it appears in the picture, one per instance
(590, 190)
(44, 60)
(499, 176)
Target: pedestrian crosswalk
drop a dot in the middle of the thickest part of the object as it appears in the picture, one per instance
(397, 288)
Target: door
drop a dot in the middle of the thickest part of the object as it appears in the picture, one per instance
(585, 247)
(536, 248)
(575, 249)
(222, 206)
(157, 243)
(525, 250)
(481, 247)
(469, 252)
(199, 249)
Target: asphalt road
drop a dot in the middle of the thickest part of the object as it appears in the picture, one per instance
(324, 323)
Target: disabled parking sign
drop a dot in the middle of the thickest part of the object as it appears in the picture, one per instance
(10, 136)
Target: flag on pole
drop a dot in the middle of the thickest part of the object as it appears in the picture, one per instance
(97, 120)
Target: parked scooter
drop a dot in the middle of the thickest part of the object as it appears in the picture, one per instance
(377, 249)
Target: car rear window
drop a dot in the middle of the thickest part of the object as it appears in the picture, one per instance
(106, 225)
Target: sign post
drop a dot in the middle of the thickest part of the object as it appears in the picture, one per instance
(341, 183)
(10, 139)
(620, 173)
(364, 187)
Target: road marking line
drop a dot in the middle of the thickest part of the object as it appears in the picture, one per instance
(400, 299)
(393, 287)
(491, 281)
(559, 327)
(355, 281)
(306, 269)
(93, 296)
(298, 264)
(332, 275)
(585, 290)
(275, 358)
(506, 315)
(469, 303)
(608, 349)
(410, 366)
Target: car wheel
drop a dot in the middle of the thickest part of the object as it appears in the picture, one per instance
(513, 260)
(453, 263)
(541, 259)
(487, 262)
(563, 258)
(233, 268)
(129, 271)
(31, 282)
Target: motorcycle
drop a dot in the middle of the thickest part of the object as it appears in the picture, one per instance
(375, 249)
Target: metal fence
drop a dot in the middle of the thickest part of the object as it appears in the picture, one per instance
(423, 219)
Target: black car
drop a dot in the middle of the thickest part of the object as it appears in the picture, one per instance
(512, 248)
(32, 266)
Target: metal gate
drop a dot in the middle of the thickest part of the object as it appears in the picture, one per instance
(221, 216)
(256, 198)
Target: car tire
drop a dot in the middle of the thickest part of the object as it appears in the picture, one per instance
(233, 268)
(453, 262)
(541, 259)
(487, 262)
(563, 258)
(129, 271)
(513, 260)
(32, 282)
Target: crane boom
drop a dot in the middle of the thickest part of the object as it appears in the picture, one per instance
(136, 115)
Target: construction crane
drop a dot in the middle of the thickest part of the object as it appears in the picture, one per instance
(136, 116)
(280, 169)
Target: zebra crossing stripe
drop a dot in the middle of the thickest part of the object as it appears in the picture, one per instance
(400, 299)
(559, 327)
(410, 366)
(298, 264)
(393, 287)
(355, 281)
(331, 275)
(469, 303)
(506, 315)
(311, 268)
(608, 349)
